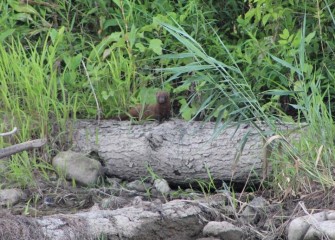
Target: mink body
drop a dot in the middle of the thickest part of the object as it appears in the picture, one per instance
(159, 111)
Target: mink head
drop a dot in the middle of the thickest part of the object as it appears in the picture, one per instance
(162, 97)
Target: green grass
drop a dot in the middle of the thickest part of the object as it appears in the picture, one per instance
(31, 92)
(23, 170)
(33, 98)
(295, 163)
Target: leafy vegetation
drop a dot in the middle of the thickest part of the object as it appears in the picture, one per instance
(221, 60)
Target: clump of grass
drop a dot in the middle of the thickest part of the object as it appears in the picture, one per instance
(296, 163)
(33, 98)
(31, 90)
(313, 159)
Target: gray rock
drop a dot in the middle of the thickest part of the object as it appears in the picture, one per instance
(113, 202)
(114, 180)
(299, 226)
(138, 186)
(223, 230)
(115, 183)
(9, 197)
(255, 211)
(162, 186)
(330, 215)
(77, 166)
(321, 230)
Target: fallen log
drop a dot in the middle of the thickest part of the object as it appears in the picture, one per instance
(178, 219)
(179, 151)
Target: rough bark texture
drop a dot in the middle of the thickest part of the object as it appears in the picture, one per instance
(176, 150)
(177, 219)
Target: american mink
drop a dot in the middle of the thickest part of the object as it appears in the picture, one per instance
(159, 111)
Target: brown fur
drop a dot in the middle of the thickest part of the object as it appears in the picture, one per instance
(159, 111)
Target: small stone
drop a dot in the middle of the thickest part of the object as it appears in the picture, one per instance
(299, 226)
(9, 197)
(95, 207)
(138, 186)
(156, 206)
(255, 211)
(115, 183)
(162, 186)
(137, 201)
(77, 166)
(223, 230)
(114, 180)
(113, 202)
(321, 230)
(49, 201)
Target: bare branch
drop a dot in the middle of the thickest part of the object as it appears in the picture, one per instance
(8, 133)
(8, 151)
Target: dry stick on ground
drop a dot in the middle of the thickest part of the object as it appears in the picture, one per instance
(8, 133)
(5, 152)
(8, 151)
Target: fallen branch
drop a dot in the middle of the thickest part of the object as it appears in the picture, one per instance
(8, 133)
(8, 151)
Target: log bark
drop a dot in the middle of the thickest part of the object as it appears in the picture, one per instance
(178, 219)
(179, 151)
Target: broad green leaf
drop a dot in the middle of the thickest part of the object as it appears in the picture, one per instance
(299, 86)
(22, 8)
(250, 14)
(186, 111)
(132, 35)
(75, 61)
(265, 19)
(110, 23)
(140, 47)
(156, 46)
(56, 36)
(285, 34)
(282, 42)
(93, 10)
(309, 37)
